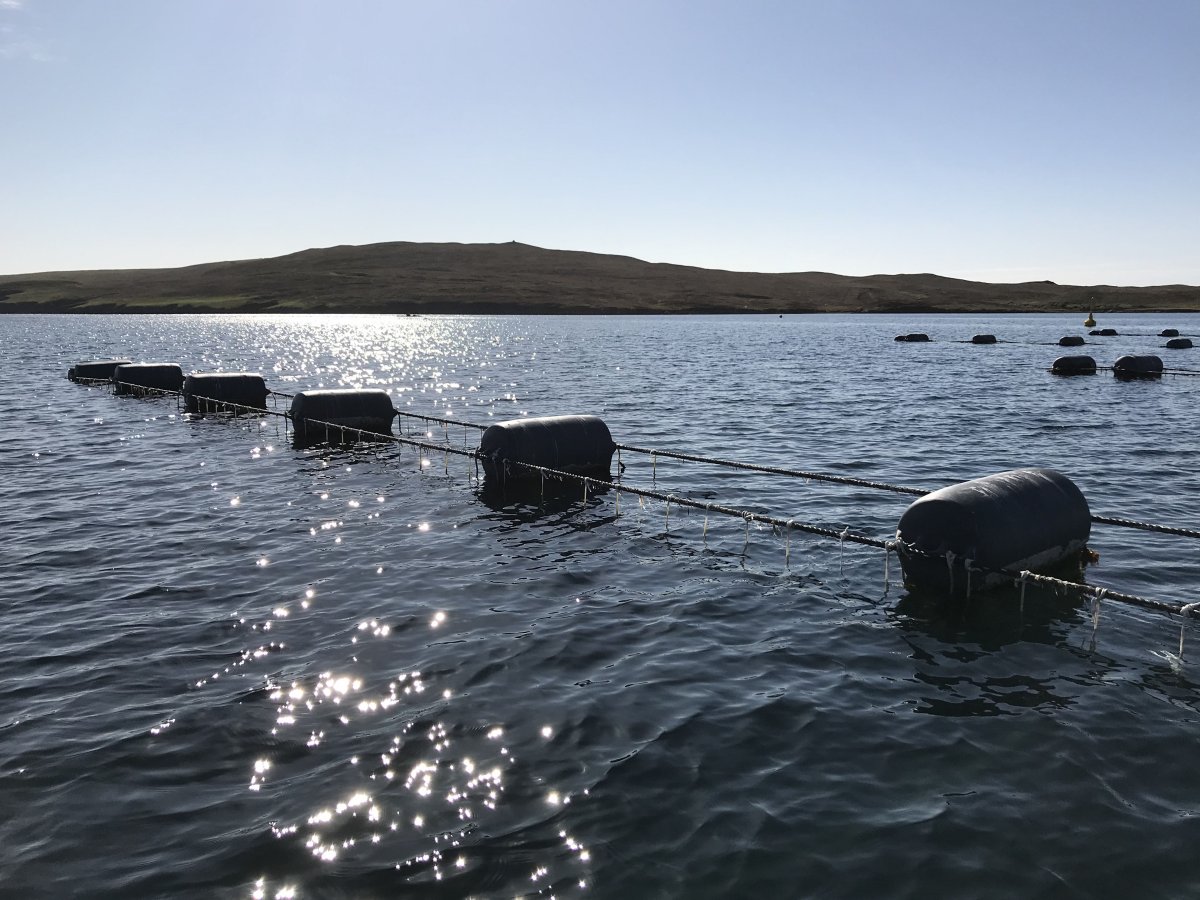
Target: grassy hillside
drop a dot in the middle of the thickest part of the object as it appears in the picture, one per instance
(402, 277)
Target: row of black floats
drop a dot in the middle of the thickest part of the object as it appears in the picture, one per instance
(963, 538)
(1126, 368)
(203, 392)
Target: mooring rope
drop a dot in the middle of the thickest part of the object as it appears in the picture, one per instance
(879, 485)
(1018, 579)
(424, 418)
(774, 470)
(1141, 376)
(1147, 526)
(717, 461)
(692, 457)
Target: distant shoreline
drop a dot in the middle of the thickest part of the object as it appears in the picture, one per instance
(516, 279)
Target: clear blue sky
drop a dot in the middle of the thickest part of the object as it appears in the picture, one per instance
(999, 141)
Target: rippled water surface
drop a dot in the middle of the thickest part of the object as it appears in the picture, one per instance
(233, 668)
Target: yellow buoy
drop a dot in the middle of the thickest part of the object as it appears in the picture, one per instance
(1090, 321)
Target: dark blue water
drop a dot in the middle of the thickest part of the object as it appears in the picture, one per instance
(231, 668)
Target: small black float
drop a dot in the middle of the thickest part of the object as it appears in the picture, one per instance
(581, 445)
(1071, 340)
(983, 339)
(145, 378)
(1179, 344)
(1023, 519)
(1169, 332)
(96, 369)
(1074, 365)
(1129, 367)
(915, 338)
(211, 391)
(333, 414)
(1104, 332)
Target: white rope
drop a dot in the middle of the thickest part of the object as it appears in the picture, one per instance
(1185, 611)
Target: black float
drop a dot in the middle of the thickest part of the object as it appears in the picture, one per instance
(338, 414)
(1179, 344)
(983, 339)
(1071, 340)
(1169, 332)
(1024, 519)
(1129, 367)
(212, 391)
(97, 369)
(914, 338)
(578, 444)
(1074, 365)
(145, 378)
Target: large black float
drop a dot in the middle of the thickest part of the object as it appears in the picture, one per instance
(337, 414)
(1130, 367)
(224, 391)
(1074, 365)
(146, 378)
(1024, 519)
(581, 445)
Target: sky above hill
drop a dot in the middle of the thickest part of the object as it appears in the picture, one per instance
(1014, 141)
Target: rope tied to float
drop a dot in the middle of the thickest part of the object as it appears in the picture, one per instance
(1147, 526)
(1021, 579)
(445, 423)
(692, 457)
(654, 453)
(770, 470)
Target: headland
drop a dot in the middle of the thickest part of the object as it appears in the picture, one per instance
(413, 278)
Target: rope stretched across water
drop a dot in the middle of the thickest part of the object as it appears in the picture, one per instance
(879, 485)
(774, 470)
(1019, 579)
(726, 463)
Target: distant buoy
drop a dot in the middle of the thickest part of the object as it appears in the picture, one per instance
(205, 392)
(1022, 519)
(579, 444)
(1169, 332)
(1130, 367)
(1071, 340)
(983, 339)
(1179, 343)
(1074, 365)
(138, 378)
(1090, 321)
(914, 338)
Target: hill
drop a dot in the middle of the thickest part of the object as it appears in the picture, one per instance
(401, 277)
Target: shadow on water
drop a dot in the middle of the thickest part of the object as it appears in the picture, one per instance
(991, 619)
(984, 655)
(536, 499)
(336, 437)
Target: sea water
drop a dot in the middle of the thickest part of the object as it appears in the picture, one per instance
(235, 668)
